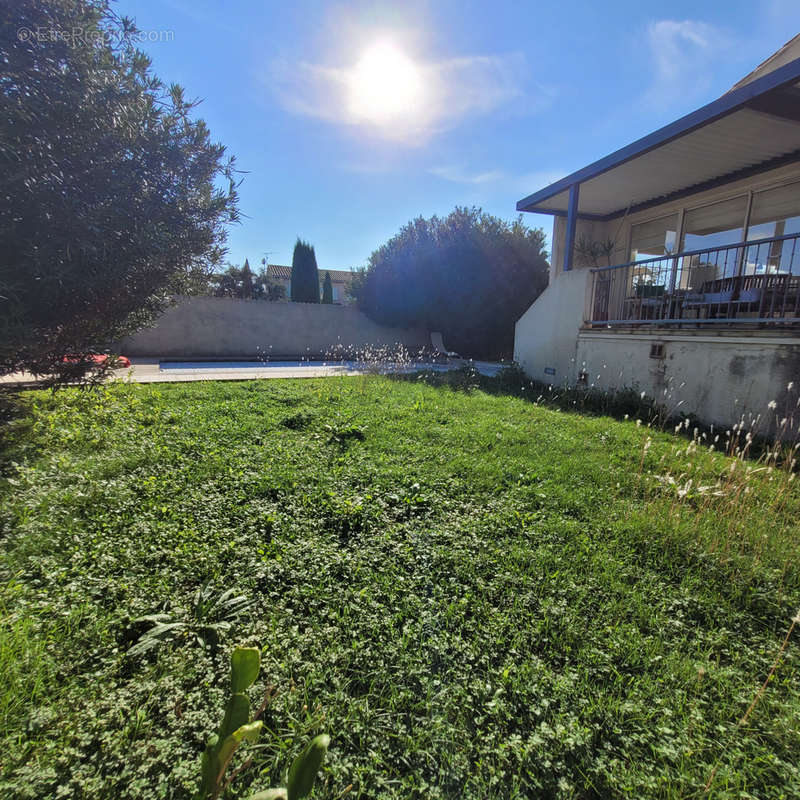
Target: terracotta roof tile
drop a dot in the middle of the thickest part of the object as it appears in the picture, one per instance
(285, 273)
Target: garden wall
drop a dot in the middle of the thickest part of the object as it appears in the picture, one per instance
(221, 327)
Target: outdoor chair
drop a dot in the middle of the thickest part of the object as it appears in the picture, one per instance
(646, 302)
(438, 346)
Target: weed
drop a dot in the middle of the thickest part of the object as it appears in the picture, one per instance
(207, 618)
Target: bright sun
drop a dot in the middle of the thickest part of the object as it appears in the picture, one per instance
(384, 85)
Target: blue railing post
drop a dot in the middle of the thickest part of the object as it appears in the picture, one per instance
(572, 221)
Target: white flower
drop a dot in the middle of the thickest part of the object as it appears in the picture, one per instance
(772, 405)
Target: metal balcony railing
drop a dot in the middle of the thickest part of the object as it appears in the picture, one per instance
(750, 283)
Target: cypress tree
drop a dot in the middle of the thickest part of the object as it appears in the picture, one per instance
(247, 281)
(305, 277)
(327, 289)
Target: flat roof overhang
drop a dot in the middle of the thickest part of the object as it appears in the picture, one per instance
(746, 131)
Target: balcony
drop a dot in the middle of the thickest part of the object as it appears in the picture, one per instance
(753, 283)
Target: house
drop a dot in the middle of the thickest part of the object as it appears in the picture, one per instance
(675, 262)
(340, 280)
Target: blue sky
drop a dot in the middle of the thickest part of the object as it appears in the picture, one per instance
(484, 102)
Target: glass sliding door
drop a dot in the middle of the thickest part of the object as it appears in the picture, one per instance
(774, 213)
(649, 240)
(712, 227)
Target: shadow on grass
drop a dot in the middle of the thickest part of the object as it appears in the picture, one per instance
(15, 421)
(620, 404)
(512, 381)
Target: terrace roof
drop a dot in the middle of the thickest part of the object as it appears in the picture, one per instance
(753, 127)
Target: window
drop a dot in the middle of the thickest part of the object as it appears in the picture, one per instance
(715, 225)
(649, 240)
(709, 227)
(654, 238)
(774, 213)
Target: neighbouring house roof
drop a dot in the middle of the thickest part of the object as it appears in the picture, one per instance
(285, 273)
(789, 52)
(753, 127)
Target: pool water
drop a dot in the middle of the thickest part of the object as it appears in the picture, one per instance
(228, 365)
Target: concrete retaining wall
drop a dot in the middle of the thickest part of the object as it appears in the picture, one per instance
(720, 376)
(220, 327)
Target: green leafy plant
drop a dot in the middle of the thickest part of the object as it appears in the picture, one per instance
(237, 728)
(208, 617)
(469, 275)
(590, 252)
(344, 434)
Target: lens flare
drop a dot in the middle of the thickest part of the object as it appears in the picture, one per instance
(385, 85)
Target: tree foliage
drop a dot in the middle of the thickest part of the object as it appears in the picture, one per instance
(327, 289)
(468, 275)
(244, 284)
(305, 275)
(247, 280)
(112, 199)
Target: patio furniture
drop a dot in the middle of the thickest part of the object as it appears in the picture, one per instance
(765, 296)
(646, 303)
(438, 345)
(715, 299)
(778, 296)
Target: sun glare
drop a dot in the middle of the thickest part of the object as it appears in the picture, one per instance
(384, 85)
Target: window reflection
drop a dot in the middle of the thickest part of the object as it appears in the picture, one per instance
(774, 213)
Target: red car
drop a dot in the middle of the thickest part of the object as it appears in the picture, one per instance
(100, 358)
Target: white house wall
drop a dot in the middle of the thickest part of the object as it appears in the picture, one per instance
(717, 374)
(545, 341)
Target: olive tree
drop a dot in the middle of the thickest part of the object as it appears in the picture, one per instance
(113, 197)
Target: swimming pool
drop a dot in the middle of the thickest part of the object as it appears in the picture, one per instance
(229, 365)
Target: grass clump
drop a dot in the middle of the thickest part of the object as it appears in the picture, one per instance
(478, 596)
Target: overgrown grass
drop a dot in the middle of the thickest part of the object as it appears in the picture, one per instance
(475, 595)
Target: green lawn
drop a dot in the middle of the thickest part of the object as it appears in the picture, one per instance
(475, 595)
